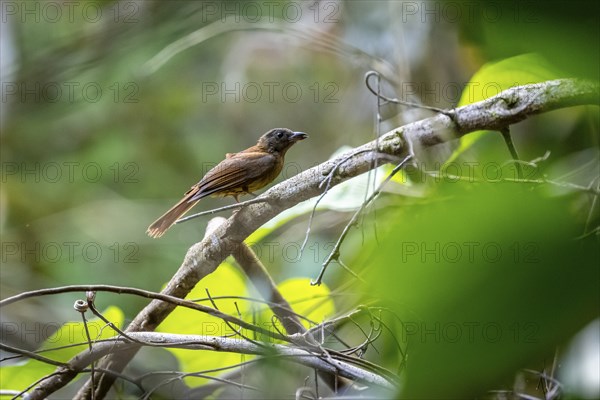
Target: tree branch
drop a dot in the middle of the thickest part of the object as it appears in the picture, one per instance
(506, 108)
(305, 357)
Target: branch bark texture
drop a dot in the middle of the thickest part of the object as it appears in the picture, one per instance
(496, 113)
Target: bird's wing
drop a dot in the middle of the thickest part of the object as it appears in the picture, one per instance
(234, 172)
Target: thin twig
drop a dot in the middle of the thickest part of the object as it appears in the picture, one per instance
(89, 340)
(180, 375)
(159, 296)
(335, 253)
(368, 76)
(31, 355)
(262, 281)
(541, 181)
(109, 323)
(221, 209)
(238, 332)
(512, 149)
(349, 270)
(204, 257)
(327, 181)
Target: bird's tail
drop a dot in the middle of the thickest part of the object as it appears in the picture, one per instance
(162, 224)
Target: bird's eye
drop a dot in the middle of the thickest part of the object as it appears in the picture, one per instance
(279, 135)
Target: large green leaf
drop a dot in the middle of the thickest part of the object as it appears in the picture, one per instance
(488, 281)
(20, 376)
(312, 302)
(225, 281)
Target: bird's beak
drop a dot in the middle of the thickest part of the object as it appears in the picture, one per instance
(299, 136)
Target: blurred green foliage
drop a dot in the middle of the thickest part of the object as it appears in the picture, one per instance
(95, 145)
(478, 300)
(565, 34)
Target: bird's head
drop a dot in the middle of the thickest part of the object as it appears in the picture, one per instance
(280, 139)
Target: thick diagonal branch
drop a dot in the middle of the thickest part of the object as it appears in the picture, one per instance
(504, 109)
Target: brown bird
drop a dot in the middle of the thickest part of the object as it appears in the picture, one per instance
(238, 173)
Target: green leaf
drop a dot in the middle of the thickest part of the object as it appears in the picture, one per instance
(486, 281)
(20, 376)
(225, 281)
(495, 77)
(313, 302)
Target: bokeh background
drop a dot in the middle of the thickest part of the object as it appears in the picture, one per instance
(111, 109)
